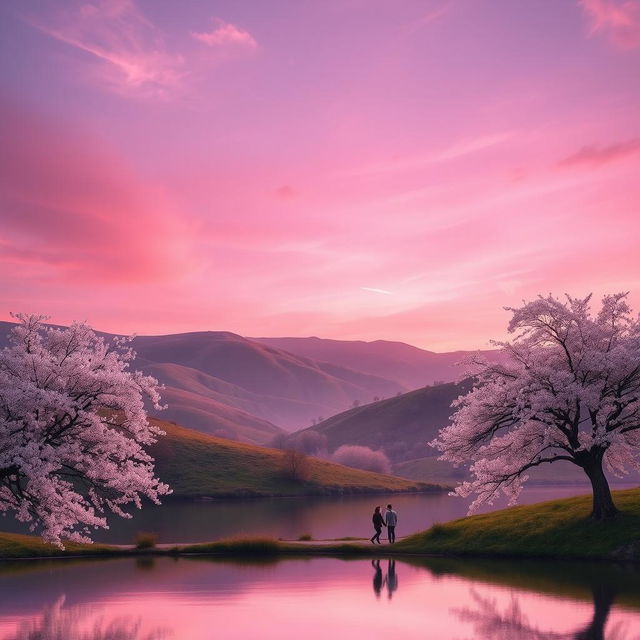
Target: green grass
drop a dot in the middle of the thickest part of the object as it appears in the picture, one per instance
(238, 546)
(558, 528)
(195, 465)
(14, 545)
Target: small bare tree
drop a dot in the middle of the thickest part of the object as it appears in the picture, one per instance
(295, 465)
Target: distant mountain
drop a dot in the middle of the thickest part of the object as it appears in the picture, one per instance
(286, 389)
(219, 382)
(409, 366)
(401, 425)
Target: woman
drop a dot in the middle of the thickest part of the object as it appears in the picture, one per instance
(378, 523)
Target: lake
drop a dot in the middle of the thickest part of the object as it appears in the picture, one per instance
(288, 518)
(317, 598)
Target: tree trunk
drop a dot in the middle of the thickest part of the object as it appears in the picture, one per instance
(603, 507)
(603, 598)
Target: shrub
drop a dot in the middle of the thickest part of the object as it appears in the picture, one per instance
(146, 540)
(240, 546)
(359, 457)
(305, 537)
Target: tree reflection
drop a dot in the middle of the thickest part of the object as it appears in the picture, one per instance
(57, 622)
(491, 623)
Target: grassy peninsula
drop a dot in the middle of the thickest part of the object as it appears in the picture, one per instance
(554, 529)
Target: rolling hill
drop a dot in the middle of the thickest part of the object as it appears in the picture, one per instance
(196, 465)
(276, 386)
(408, 365)
(219, 382)
(401, 425)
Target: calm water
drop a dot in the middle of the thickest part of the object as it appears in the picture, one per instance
(194, 599)
(288, 518)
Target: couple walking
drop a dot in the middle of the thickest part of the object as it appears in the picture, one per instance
(389, 520)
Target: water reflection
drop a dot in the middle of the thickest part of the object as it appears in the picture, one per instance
(392, 578)
(600, 584)
(288, 518)
(57, 622)
(490, 622)
(317, 598)
(378, 580)
(389, 579)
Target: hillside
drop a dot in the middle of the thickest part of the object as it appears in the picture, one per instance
(219, 369)
(557, 529)
(263, 370)
(408, 365)
(195, 464)
(401, 425)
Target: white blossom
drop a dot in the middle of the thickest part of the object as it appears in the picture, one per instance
(567, 389)
(73, 428)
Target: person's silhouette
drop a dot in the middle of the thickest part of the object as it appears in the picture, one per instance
(378, 581)
(392, 578)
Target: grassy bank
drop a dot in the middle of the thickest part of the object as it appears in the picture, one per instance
(555, 529)
(15, 545)
(195, 464)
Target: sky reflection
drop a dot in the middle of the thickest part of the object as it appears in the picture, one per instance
(200, 598)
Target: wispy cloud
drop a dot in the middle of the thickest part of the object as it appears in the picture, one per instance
(456, 150)
(594, 155)
(375, 290)
(127, 52)
(128, 48)
(225, 34)
(619, 20)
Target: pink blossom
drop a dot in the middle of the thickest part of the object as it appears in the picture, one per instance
(569, 389)
(73, 428)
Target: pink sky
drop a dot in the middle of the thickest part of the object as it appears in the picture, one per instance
(354, 169)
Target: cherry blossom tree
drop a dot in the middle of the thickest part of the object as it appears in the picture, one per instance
(567, 389)
(73, 428)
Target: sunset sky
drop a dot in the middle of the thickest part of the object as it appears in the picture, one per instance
(353, 169)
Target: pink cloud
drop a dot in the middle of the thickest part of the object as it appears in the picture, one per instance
(618, 20)
(225, 34)
(72, 210)
(594, 155)
(285, 192)
(130, 49)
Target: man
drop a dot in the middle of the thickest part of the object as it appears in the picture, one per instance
(391, 519)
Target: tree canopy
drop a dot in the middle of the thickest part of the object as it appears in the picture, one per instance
(73, 428)
(568, 388)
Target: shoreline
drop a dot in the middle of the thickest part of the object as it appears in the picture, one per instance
(553, 530)
(246, 549)
(243, 550)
